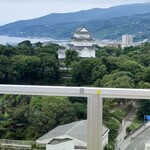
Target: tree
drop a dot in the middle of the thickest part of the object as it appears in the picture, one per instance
(50, 69)
(98, 72)
(25, 43)
(106, 112)
(25, 68)
(24, 49)
(120, 79)
(80, 106)
(38, 44)
(4, 65)
(80, 110)
(82, 71)
(113, 125)
(131, 66)
(50, 49)
(144, 59)
(8, 50)
(48, 112)
(144, 85)
(71, 56)
(112, 62)
(143, 109)
(146, 74)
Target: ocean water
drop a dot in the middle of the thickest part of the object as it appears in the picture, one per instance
(15, 40)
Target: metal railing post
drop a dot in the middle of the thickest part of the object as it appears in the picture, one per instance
(94, 123)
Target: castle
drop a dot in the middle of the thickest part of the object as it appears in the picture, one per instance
(82, 43)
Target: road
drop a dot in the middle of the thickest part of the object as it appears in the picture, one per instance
(121, 143)
(139, 142)
(136, 140)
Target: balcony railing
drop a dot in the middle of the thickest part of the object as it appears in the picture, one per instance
(95, 101)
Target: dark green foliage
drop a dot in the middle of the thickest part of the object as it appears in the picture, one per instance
(143, 109)
(29, 64)
(78, 99)
(106, 114)
(114, 126)
(114, 68)
(146, 74)
(131, 66)
(48, 112)
(71, 56)
(80, 106)
(87, 71)
(29, 117)
(118, 80)
(26, 43)
(80, 110)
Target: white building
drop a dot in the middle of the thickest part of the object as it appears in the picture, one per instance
(81, 42)
(60, 144)
(62, 53)
(81, 37)
(147, 145)
(70, 136)
(127, 40)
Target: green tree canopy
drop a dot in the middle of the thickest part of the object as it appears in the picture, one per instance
(71, 56)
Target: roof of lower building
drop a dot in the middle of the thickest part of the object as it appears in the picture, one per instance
(77, 130)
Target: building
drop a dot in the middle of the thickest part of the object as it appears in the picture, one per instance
(62, 52)
(72, 136)
(139, 139)
(60, 144)
(107, 43)
(147, 145)
(127, 40)
(81, 42)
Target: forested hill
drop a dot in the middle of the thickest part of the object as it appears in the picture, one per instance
(113, 28)
(102, 22)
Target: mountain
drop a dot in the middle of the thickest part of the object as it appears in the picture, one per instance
(86, 15)
(104, 23)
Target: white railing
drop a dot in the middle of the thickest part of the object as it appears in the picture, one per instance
(17, 142)
(95, 101)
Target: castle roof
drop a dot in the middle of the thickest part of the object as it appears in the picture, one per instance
(81, 30)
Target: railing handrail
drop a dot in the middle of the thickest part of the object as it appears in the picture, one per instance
(75, 91)
(95, 102)
(17, 142)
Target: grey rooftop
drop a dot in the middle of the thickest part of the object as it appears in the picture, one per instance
(77, 130)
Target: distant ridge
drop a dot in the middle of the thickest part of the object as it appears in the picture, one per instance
(86, 15)
(44, 26)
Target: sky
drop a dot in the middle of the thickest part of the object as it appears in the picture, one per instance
(14, 10)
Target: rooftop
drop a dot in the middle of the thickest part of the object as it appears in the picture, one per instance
(81, 29)
(77, 130)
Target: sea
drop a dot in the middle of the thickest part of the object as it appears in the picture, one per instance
(15, 40)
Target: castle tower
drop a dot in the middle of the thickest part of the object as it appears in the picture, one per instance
(83, 43)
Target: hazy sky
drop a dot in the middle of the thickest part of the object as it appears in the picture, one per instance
(13, 10)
